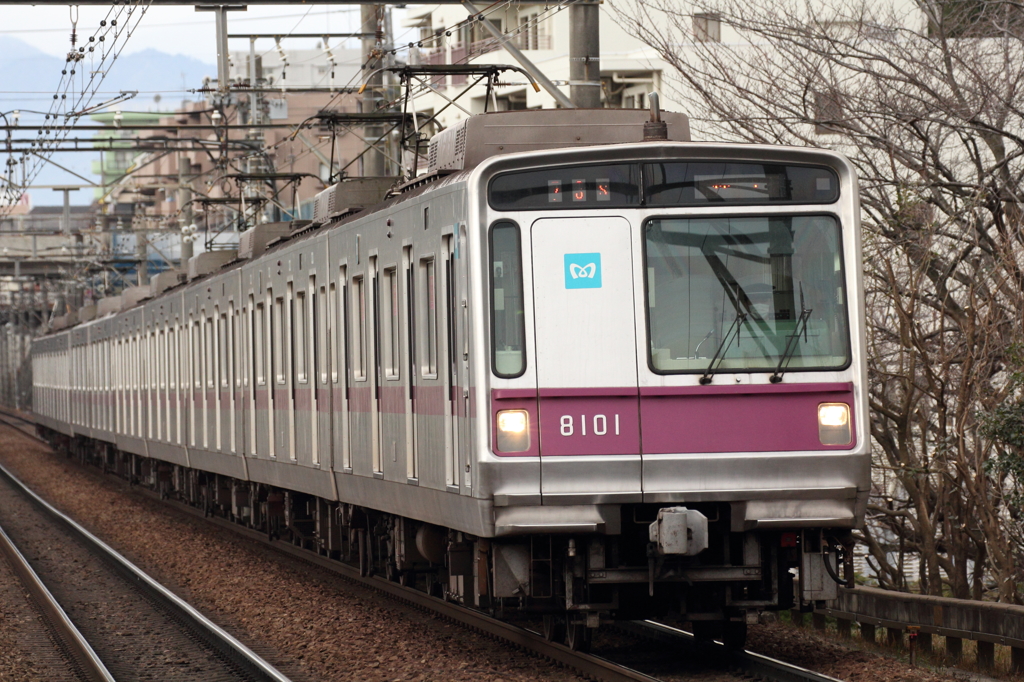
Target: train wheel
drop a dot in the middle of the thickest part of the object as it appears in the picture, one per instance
(364, 553)
(735, 636)
(708, 630)
(435, 588)
(577, 636)
(554, 628)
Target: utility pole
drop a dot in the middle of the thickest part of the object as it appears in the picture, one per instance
(221, 20)
(585, 54)
(373, 79)
(185, 205)
(74, 239)
(142, 254)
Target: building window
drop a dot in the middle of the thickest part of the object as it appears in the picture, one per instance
(707, 28)
(828, 111)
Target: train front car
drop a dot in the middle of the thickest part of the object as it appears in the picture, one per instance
(676, 384)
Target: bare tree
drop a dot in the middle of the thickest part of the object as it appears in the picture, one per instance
(928, 102)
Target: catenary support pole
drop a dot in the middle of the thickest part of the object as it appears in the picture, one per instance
(220, 13)
(374, 161)
(185, 203)
(585, 54)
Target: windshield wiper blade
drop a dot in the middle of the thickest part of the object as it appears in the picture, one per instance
(740, 317)
(792, 339)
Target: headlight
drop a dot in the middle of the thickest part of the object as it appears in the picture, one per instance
(513, 431)
(834, 424)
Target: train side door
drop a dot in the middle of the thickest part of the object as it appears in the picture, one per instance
(377, 378)
(452, 357)
(586, 358)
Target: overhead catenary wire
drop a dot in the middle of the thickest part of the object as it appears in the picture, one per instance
(328, 13)
(534, 19)
(59, 120)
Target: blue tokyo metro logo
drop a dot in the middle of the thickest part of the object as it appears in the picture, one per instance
(582, 271)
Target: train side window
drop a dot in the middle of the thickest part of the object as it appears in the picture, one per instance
(223, 371)
(508, 328)
(258, 355)
(277, 341)
(390, 320)
(428, 310)
(210, 354)
(162, 366)
(243, 334)
(300, 334)
(359, 338)
(170, 352)
(323, 334)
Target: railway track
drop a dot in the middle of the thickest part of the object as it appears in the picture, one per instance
(679, 655)
(114, 620)
(696, 660)
(51, 639)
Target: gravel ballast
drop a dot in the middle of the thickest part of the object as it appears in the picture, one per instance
(315, 626)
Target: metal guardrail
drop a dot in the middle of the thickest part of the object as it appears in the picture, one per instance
(987, 623)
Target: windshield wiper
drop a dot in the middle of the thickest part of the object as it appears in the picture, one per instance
(792, 339)
(740, 317)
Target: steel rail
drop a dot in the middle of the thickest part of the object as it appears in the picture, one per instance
(758, 666)
(82, 656)
(587, 664)
(239, 654)
(750, 663)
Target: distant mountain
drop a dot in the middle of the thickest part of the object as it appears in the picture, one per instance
(28, 77)
(12, 49)
(24, 68)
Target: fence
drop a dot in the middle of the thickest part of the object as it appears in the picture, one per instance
(925, 616)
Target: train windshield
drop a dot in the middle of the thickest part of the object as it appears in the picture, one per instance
(746, 287)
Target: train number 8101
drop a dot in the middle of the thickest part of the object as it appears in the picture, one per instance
(598, 425)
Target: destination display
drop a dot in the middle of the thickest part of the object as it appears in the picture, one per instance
(665, 183)
(607, 186)
(688, 183)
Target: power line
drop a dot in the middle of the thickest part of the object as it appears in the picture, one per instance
(346, 10)
(129, 17)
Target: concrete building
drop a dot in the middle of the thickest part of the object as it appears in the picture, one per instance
(287, 69)
(629, 70)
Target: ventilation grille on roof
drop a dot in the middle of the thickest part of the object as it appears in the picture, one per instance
(324, 206)
(475, 139)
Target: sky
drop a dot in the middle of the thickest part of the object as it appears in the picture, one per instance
(172, 30)
(176, 29)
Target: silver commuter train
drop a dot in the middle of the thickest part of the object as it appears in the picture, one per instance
(565, 372)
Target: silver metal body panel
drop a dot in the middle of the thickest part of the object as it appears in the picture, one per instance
(217, 463)
(414, 438)
(824, 478)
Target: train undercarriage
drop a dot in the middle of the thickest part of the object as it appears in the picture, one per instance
(683, 564)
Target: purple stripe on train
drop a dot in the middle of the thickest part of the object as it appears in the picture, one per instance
(679, 420)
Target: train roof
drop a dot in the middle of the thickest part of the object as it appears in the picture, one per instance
(486, 143)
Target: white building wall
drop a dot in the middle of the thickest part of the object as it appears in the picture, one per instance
(629, 68)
